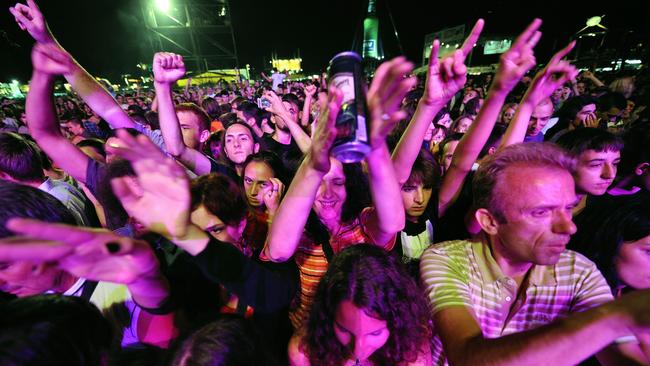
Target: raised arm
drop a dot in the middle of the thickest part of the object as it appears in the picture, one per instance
(589, 75)
(444, 79)
(167, 69)
(385, 96)
(49, 61)
(30, 18)
(310, 91)
(290, 219)
(556, 73)
(297, 133)
(513, 65)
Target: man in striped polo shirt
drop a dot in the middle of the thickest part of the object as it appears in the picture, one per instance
(516, 296)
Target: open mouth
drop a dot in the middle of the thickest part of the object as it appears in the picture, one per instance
(327, 204)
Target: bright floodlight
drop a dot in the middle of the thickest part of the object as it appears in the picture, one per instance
(163, 5)
(594, 21)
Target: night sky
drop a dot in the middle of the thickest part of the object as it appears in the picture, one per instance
(107, 36)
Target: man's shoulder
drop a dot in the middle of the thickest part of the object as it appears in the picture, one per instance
(452, 248)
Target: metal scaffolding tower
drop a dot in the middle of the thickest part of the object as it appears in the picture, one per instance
(199, 30)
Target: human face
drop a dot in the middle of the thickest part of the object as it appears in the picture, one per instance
(331, 194)
(215, 149)
(361, 333)
(256, 182)
(596, 171)
(292, 109)
(190, 129)
(463, 125)
(209, 222)
(75, 129)
(448, 154)
(587, 111)
(23, 278)
(469, 95)
(415, 198)
(539, 119)
(581, 87)
(557, 94)
(438, 136)
(628, 110)
(566, 93)
(23, 118)
(537, 204)
(445, 121)
(507, 115)
(632, 263)
(239, 143)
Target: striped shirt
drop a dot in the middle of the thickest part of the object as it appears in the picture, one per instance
(312, 262)
(463, 273)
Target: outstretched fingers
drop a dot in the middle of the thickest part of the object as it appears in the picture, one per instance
(471, 40)
(559, 55)
(529, 35)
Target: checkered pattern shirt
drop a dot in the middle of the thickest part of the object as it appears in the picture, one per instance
(462, 273)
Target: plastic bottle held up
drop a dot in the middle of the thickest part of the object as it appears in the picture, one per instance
(345, 71)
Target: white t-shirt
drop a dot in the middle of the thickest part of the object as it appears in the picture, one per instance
(277, 80)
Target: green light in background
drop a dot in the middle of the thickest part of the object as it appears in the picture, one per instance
(163, 5)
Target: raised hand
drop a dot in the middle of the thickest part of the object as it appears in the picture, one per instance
(276, 106)
(168, 67)
(51, 59)
(159, 197)
(551, 77)
(516, 62)
(447, 76)
(30, 18)
(273, 195)
(325, 133)
(309, 90)
(93, 254)
(591, 121)
(385, 95)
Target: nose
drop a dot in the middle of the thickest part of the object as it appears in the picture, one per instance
(563, 223)
(359, 348)
(419, 196)
(236, 143)
(609, 171)
(255, 188)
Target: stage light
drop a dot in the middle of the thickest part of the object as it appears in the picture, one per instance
(594, 21)
(163, 5)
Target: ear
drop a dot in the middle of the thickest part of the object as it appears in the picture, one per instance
(256, 148)
(492, 150)
(639, 170)
(205, 135)
(487, 221)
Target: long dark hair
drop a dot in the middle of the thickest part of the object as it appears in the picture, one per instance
(358, 198)
(373, 280)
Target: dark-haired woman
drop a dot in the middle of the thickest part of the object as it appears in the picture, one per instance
(367, 311)
(332, 195)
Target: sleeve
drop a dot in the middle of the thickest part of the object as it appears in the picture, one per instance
(94, 172)
(445, 279)
(591, 289)
(154, 135)
(266, 287)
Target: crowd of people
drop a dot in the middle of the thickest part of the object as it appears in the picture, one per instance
(497, 219)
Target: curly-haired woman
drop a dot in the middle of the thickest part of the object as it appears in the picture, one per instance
(367, 311)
